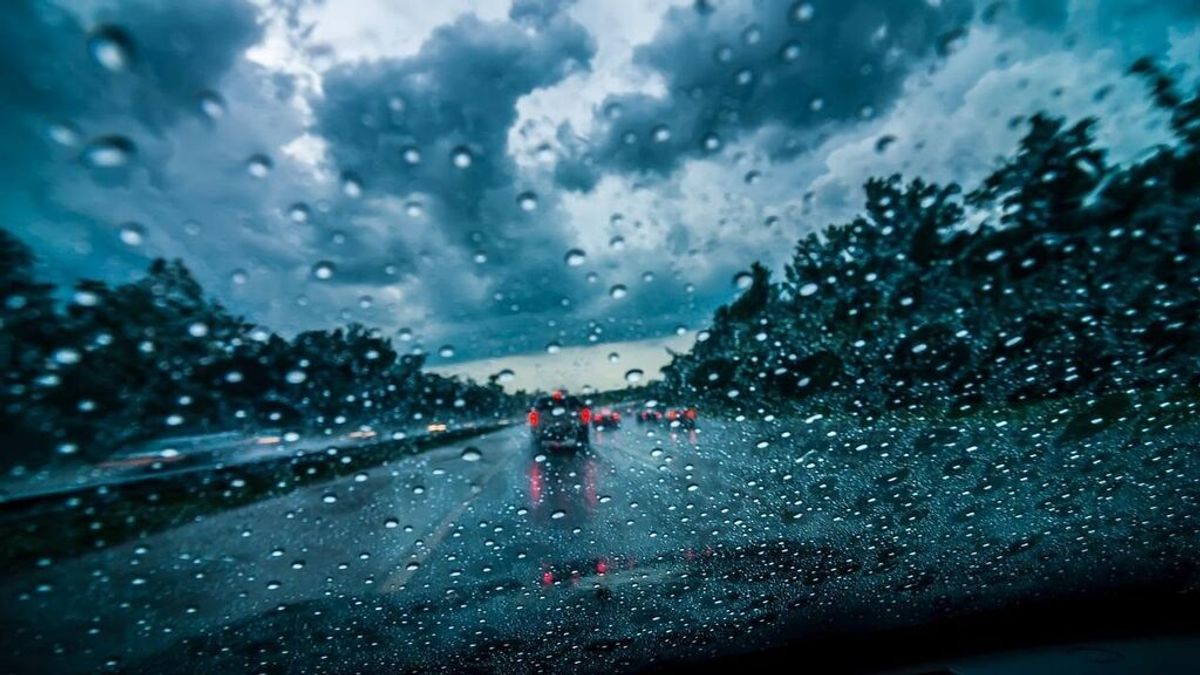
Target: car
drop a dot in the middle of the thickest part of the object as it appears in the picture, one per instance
(684, 418)
(606, 418)
(649, 416)
(561, 420)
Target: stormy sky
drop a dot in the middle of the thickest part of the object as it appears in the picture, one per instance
(500, 176)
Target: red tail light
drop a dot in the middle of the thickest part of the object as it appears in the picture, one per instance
(672, 414)
(601, 566)
(585, 415)
(691, 413)
(616, 417)
(533, 418)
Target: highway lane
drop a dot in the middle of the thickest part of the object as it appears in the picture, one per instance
(407, 533)
(490, 554)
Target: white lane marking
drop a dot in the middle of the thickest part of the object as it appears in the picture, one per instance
(399, 578)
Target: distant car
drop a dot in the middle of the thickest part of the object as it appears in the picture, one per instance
(560, 419)
(606, 418)
(649, 416)
(682, 417)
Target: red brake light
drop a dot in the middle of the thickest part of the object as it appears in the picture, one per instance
(533, 418)
(691, 413)
(601, 566)
(585, 415)
(616, 416)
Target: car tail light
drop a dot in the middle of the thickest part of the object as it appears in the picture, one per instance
(672, 414)
(691, 413)
(585, 415)
(533, 418)
(616, 417)
(601, 566)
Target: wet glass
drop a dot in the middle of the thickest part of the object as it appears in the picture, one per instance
(597, 336)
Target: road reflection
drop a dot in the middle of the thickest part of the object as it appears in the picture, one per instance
(562, 489)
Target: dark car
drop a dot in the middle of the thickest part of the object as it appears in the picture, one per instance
(606, 418)
(561, 420)
(683, 418)
(649, 416)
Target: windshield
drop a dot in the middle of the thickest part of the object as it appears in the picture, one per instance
(591, 335)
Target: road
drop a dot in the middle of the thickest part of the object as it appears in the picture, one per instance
(652, 543)
(427, 528)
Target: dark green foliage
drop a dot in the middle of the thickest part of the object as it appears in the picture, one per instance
(157, 358)
(1058, 276)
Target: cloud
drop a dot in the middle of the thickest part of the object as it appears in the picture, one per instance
(542, 95)
(732, 70)
(432, 129)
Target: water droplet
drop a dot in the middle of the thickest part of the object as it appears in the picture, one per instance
(329, 498)
(634, 375)
(111, 47)
(553, 348)
(618, 291)
(412, 155)
(558, 514)
(391, 523)
(592, 277)
(790, 52)
(575, 257)
(661, 134)
(413, 566)
(703, 336)
(528, 201)
(446, 351)
(647, 276)
(479, 257)
(63, 134)
(617, 243)
(351, 185)
(505, 376)
(405, 334)
(802, 11)
(681, 330)
(198, 329)
(299, 212)
(133, 234)
(808, 289)
(365, 302)
(259, 165)
(614, 357)
(461, 157)
(323, 270)
(743, 280)
(239, 276)
(66, 356)
(711, 142)
(471, 454)
(211, 104)
(693, 487)
(296, 376)
(108, 152)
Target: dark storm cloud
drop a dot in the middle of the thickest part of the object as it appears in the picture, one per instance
(173, 53)
(730, 70)
(176, 52)
(433, 128)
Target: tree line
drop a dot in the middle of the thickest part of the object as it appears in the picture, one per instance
(157, 357)
(1060, 275)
